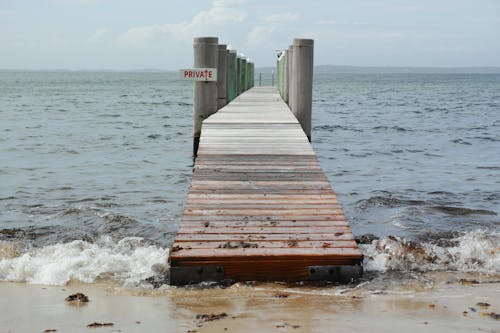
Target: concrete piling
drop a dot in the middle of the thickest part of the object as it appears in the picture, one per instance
(247, 75)
(205, 92)
(243, 75)
(285, 78)
(221, 76)
(290, 76)
(232, 76)
(302, 69)
(238, 75)
(252, 75)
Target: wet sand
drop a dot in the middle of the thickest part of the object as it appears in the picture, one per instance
(409, 306)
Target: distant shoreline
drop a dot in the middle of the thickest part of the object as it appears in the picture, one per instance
(396, 70)
(340, 69)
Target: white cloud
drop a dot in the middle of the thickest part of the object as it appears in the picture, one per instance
(74, 2)
(259, 34)
(219, 14)
(263, 32)
(282, 18)
(97, 36)
(226, 3)
(139, 35)
(6, 13)
(326, 22)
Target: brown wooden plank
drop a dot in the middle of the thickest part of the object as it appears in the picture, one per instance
(270, 237)
(249, 254)
(263, 203)
(264, 244)
(335, 230)
(238, 223)
(270, 217)
(261, 196)
(280, 207)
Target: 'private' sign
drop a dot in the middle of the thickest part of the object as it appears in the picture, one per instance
(199, 74)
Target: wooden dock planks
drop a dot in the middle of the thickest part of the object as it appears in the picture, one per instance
(259, 206)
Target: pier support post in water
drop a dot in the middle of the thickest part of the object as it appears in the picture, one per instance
(221, 76)
(205, 92)
(302, 82)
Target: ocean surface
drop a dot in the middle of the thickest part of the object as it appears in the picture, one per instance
(95, 168)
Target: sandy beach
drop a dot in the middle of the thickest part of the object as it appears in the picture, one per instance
(432, 303)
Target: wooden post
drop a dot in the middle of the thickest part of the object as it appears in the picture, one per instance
(205, 92)
(302, 82)
(221, 76)
(260, 79)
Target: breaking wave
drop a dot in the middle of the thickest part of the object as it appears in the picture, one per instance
(133, 262)
(128, 262)
(476, 251)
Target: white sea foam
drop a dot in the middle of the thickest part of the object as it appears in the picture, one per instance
(473, 252)
(128, 261)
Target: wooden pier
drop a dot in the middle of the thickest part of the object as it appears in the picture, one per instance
(260, 207)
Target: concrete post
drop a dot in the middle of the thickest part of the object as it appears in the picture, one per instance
(282, 75)
(243, 74)
(278, 75)
(238, 75)
(302, 82)
(290, 76)
(232, 77)
(285, 78)
(221, 76)
(248, 73)
(252, 75)
(205, 92)
(227, 75)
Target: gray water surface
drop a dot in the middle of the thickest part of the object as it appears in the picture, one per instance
(86, 154)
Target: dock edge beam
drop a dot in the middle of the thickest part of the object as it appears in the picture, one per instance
(186, 275)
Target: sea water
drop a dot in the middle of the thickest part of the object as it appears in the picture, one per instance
(95, 169)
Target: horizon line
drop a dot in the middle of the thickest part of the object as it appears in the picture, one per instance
(396, 67)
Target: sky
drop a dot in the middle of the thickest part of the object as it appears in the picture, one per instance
(158, 34)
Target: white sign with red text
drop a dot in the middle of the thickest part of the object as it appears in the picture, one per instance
(199, 74)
